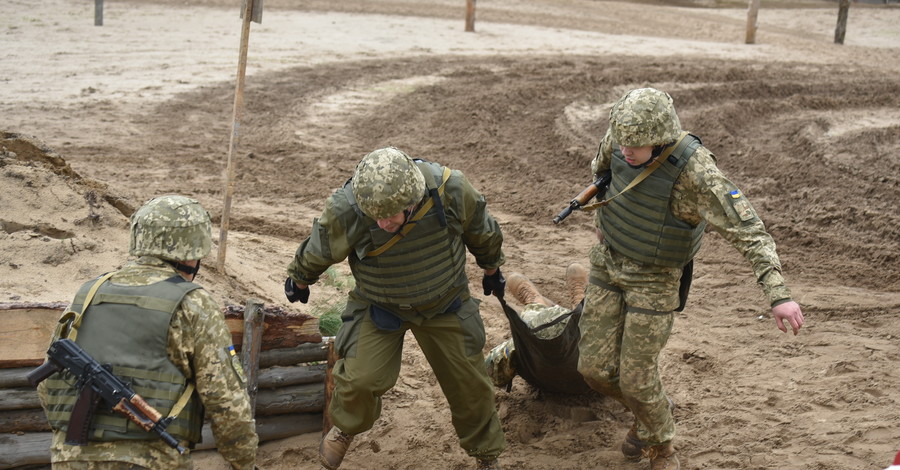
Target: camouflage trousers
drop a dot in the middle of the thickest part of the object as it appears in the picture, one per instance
(626, 322)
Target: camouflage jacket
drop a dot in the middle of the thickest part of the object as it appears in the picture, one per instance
(199, 345)
(701, 193)
(341, 232)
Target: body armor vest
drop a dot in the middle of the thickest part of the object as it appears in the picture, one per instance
(127, 327)
(639, 224)
(424, 271)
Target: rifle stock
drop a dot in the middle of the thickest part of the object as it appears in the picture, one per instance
(598, 187)
(99, 384)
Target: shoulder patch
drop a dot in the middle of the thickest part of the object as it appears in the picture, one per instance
(741, 205)
(236, 366)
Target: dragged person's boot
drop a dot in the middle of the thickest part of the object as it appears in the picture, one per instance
(662, 457)
(487, 464)
(525, 291)
(333, 448)
(576, 282)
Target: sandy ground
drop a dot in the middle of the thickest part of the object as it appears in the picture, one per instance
(810, 130)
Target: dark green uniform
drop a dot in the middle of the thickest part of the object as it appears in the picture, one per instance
(418, 284)
(650, 232)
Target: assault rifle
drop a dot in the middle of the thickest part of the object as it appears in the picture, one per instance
(96, 383)
(597, 188)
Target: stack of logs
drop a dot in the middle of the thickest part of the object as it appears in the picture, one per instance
(286, 357)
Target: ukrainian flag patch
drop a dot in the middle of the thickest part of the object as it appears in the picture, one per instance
(231, 350)
(735, 194)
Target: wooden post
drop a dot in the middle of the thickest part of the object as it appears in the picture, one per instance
(752, 21)
(98, 12)
(254, 320)
(470, 16)
(247, 16)
(329, 385)
(841, 28)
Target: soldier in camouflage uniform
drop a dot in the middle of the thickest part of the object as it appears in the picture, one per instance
(404, 226)
(649, 233)
(164, 335)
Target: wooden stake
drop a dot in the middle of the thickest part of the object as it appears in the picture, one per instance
(752, 21)
(247, 15)
(841, 29)
(98, 12)
(470, 16)
(254, 320)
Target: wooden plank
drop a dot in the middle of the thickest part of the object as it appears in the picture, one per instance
(274, 377)
(308, 352)
(306, 398)
(10, 378)
(282, 329)
(25, 333)
(31, 448)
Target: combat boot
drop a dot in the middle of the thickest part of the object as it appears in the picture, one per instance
(633, 447)
(333, 448)
(525, 291)
(662, 457)
(487, 464)
(576, 281)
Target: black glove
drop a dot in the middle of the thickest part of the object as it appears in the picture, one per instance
(293, 293)
(494, 284)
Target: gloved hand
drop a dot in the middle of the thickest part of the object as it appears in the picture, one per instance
(494, 284)
(294, 294)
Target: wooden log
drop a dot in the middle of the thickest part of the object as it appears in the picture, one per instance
(274, 377)
(33, 448)
(19, 399)
(470, 17)
(269, 428)
(282, 329)
(305, 398)
(26, 328)
(10, 378)
(253, 330)
(309, 352)
(32, 420)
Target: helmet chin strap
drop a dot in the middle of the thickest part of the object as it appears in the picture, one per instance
(187, 269)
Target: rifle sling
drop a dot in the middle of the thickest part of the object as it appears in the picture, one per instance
(642, 176)
(73, 332)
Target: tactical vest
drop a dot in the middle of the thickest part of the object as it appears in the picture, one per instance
(424, 271)
(639, 224)
(127, 327)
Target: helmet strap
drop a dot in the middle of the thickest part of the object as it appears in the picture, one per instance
(187, 269)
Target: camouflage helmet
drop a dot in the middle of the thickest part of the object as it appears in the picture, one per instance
(644, 117)
(386, 182)
(174, 228)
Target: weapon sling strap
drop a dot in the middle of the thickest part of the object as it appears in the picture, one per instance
(642, 176)
(73, 333)
(409, 225)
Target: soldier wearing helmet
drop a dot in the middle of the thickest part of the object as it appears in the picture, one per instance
(404, 226)
(665, 191)
(166, 336)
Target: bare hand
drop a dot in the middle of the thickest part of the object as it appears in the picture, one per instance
(788, 312)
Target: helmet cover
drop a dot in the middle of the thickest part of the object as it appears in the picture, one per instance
(387, 182)
(644, 117)
(171, 227)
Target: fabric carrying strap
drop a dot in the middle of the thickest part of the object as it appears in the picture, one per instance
(418, 215)
(642, 176)
(548, 364)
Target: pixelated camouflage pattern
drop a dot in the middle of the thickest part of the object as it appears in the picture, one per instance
(619, 351)
(497, 363)
(387, 182)
(645, 116)
(198, 345)
(703, 192)
(171, 227)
